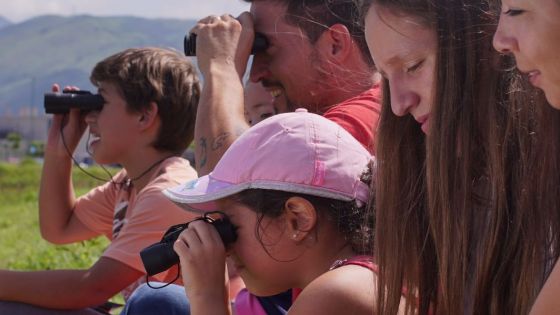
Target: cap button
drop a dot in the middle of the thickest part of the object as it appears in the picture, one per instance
(301, 110)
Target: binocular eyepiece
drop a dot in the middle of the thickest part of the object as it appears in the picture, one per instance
(161, 256)
(260, 43)
(61, 103)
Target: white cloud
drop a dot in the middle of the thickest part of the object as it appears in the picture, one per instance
(20, 10)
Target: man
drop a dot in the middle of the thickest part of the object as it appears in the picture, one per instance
(316, 57)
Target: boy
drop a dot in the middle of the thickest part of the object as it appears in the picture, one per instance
(145, 124)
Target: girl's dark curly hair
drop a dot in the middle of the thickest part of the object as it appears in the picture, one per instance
(354, 219)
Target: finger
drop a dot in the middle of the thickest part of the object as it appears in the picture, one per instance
(75, 118)
(209, 19)
(246, 21)
(191, 239)
(208, 234)
(56, 121)
(55, 88)
(180, 247)
(194, 30)
(227, 17)
(71, 88)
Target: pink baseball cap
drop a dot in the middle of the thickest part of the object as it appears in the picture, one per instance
(296, 152)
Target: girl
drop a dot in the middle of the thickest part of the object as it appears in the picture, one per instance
(530, 30)
(457, 230)
(295, 186)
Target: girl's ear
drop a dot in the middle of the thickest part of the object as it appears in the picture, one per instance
(148, 116)
(301, 218)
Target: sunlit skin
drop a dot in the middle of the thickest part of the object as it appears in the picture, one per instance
(290, 65)
(262, 267)
(259, 104)
(530, 30)
(272, 255)
(404, 52)
(113, 119)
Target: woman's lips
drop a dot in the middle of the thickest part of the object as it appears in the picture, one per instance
(534, 77)
(424, 123)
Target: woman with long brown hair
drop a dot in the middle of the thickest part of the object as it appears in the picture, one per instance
(530, 30)
(463, 219)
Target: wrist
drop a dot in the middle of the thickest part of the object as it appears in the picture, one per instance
(210, 306)
(57, 157)
(222, 69)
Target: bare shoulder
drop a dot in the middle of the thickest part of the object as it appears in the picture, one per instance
(346, 290)
(547, 302)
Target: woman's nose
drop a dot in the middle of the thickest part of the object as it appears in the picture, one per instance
(502, 41)
(403, 100)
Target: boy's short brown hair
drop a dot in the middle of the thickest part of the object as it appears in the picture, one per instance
(163, 76)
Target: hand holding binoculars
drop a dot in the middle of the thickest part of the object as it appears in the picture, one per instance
(189, 44)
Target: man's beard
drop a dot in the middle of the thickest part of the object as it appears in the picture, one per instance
(313, 101)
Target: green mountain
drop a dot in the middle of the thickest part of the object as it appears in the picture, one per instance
(55, 49)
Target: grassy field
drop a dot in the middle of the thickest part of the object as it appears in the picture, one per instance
(21, 245)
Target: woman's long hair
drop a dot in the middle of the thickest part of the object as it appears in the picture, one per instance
(467, 218)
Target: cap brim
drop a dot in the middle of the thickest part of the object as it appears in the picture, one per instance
(199, 195)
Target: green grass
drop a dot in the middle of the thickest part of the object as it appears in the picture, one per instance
(21, 245)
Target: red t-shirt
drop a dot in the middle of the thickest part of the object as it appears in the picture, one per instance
(359, 116)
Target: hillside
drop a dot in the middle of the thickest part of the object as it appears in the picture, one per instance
(48, 49)
(4, 22)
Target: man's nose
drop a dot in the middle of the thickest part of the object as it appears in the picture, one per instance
(259, 68)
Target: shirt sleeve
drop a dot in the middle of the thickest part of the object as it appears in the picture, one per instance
(359, 116)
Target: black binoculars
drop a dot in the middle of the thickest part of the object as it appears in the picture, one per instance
(161, 256)
(189, 44)
(61, 103)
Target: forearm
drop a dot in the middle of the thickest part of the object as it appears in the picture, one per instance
(59, 289)
(220, 119)
(209, 308)
(204, 305)
(56, 196)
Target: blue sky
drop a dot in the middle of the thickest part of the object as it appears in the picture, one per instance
(20, 10)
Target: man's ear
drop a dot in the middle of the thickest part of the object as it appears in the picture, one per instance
(301, 218)
(336, 42)
(148, 116)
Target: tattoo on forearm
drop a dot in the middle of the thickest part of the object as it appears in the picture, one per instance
(218, 142)
(240, 130)
(203, 158)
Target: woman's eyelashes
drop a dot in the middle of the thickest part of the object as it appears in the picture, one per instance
(414, 67)
(407, 69)
(513, 12)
